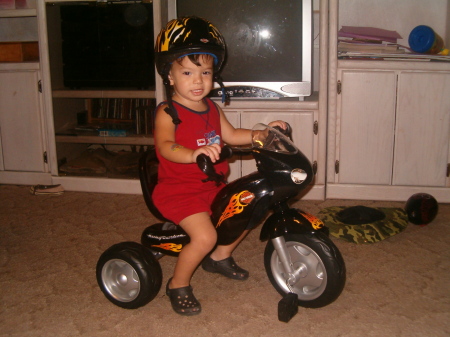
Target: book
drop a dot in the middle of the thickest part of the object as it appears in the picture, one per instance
(370, 33)
(47, 190)
(350, 46)
(368, 40)
(112, 133)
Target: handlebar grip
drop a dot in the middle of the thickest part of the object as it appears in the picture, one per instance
(287, 132)
(206, 165)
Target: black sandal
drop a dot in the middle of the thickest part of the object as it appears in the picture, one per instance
(227, 267)
(183, 300)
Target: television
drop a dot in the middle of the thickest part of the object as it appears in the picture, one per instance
(269, 45)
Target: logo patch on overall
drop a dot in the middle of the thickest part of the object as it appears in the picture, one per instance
(236, 205)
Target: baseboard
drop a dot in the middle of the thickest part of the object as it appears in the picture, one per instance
(388, 193)
(25, 178)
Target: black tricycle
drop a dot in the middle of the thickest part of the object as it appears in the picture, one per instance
(302, 263)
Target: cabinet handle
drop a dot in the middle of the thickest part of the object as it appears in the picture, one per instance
(448, 170)
(336, 166)
(339, 87)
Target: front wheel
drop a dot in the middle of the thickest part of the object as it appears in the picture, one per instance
(318, 269)
(128, 275)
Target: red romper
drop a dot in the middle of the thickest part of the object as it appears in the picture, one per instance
(180, 191)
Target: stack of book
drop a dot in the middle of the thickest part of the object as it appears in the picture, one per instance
(379, 44)
(47, 189)
(367, 42)
(118, 117)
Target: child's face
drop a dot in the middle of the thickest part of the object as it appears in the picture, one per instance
(191, 83)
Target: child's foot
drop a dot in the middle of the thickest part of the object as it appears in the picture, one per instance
(227, 267)
(183, 300)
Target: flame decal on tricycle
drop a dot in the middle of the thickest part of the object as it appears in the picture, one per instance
(236, 205)
(315, 222)
(170, 246)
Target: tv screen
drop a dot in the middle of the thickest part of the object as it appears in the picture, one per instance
(268, 44)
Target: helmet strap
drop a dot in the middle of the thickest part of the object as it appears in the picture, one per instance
(225, 96)
(170, 110)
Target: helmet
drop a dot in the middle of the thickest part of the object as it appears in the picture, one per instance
(185, 36)
(421, 208)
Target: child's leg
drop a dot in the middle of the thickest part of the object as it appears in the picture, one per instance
(223, 252)
(203, 237)
(220, 261)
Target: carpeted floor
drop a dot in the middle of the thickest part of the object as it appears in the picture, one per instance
(49, 246)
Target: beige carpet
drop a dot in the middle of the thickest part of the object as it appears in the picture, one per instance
(49, 246)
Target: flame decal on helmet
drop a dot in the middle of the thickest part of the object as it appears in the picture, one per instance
(215, 33)
(173, 31)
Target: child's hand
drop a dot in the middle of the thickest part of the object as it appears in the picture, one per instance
(281, 124)
(212, 151)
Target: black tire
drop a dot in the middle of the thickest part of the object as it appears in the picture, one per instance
(320, 269)
(128, 275)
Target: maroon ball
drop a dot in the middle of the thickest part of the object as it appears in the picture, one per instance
(421, 208)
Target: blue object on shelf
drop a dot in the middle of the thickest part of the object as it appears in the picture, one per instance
(423, 39)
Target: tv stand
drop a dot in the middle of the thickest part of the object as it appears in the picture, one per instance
(61, 104)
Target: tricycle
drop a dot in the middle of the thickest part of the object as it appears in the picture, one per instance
(300, 260)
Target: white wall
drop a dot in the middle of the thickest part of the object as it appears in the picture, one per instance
(399, 15)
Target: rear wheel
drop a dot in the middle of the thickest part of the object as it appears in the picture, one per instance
(318, 270)
(128, 275)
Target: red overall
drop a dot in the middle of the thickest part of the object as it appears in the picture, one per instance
(180, 191)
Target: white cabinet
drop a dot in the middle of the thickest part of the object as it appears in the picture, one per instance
(391, 131)
(34, 134)
(21, 124)
(23, 141)
(388, 121)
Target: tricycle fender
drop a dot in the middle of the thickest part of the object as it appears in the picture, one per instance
(290, 221)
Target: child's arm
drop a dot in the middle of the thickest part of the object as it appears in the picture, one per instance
(233, 136)
(165, 141)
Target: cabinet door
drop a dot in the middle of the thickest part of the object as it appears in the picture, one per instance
(20, 122)
(235, 162)
(365, 127)
(423, 129)
(302, 123)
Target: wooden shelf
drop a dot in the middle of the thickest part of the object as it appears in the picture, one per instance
(99, 93)
(19, 66)
(18, 13)
(86, 139)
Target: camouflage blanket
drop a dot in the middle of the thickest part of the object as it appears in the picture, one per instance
(394, 222)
